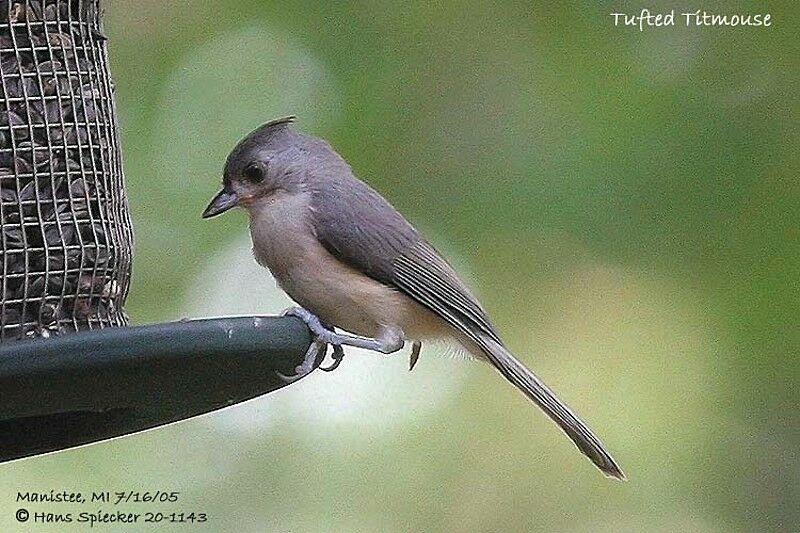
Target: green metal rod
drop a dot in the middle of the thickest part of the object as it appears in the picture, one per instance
(66, 391)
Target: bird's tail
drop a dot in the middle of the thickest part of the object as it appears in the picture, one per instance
(526, 381)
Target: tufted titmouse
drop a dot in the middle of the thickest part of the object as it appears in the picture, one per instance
(353, 262)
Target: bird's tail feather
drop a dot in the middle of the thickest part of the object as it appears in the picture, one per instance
(526, 381)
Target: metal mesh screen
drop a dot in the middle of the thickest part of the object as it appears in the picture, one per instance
(66, 232)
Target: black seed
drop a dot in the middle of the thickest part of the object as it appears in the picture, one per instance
(22, 166)
(17, 13)
(8, 196)
(34, 11)
(50, 12)
(28, 192)
(50, 313)
(12, 236)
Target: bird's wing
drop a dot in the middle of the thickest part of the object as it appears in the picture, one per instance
(358, 227)
(424, 275)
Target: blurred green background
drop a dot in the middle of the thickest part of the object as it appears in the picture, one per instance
(625, 203)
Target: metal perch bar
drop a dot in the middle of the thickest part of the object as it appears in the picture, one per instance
(62, 392)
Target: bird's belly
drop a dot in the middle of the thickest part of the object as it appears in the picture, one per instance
(345, 298)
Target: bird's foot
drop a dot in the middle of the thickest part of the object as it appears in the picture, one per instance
(323, 336)
(389, 341)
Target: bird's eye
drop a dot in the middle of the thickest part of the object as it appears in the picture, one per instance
(254, 172)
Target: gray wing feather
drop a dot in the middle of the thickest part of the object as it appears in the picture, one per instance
(424, 275)
(357, 226)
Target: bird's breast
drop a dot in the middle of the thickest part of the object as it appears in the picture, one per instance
(280, 227)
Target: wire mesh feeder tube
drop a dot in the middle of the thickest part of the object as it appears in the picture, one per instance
(65, 254)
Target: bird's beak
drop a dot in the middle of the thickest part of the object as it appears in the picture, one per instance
(223, 201)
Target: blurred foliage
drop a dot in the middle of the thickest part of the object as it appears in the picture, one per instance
(628, 205)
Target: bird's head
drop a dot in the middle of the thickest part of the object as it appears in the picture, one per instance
(263, 163)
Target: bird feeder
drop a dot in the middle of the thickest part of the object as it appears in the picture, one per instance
(71, 371)
(67, 237)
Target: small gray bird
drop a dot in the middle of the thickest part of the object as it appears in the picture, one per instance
(353, 262)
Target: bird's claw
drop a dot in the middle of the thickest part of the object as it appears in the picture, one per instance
(307, 366)
(416, 347)
(337, 356)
